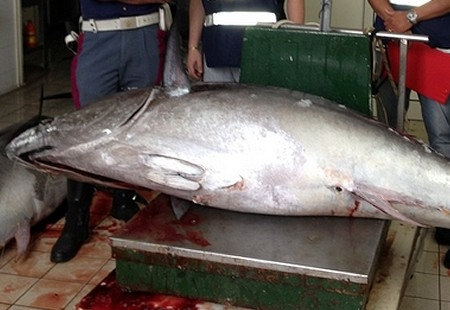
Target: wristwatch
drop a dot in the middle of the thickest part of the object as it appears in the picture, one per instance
(411, 16)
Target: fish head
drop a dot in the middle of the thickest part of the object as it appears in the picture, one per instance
(35, 140)
(72, 133)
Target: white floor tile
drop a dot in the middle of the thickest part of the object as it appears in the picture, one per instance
(445, 305)
(445, 288)
(412, 303)
(428, 263)
(423, 285)
(430, 244)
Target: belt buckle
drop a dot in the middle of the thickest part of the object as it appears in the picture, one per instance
(209, 20)
(93, 25)
(127, 23)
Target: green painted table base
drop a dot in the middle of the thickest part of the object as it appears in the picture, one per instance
(246, 260)
(259, 289)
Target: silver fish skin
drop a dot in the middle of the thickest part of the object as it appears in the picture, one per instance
(249, 149)
(26, 196)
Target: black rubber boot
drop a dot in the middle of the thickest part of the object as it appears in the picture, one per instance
(446, 261)
(442, 236)
(76, 229)
(124, 207)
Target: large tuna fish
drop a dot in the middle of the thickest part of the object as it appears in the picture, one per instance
(245, 148)
(26, 196)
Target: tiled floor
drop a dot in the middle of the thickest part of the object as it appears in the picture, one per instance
(35, 283)
(429, 288)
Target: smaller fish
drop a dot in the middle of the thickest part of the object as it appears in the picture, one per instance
(26, 196)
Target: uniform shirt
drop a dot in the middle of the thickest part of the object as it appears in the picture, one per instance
(96, 9)
(222, 45)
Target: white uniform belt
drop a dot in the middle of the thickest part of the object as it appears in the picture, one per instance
(122, 23)
(237, 18)
(415, 3)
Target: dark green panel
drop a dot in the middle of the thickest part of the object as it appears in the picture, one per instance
(333, 65)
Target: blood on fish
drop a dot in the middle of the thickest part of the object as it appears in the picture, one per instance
(355, 209)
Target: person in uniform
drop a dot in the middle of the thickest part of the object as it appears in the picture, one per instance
(219, 25)
(120, 47)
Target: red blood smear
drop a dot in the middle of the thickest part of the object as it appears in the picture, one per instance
(158, 221)
(109, 296)
(197, 238)
(355, 209)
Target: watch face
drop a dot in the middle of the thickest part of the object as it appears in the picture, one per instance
(412, 17)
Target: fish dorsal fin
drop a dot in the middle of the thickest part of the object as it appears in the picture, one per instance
(176, 82)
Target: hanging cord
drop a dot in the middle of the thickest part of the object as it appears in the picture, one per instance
(381, 71)
(386, 65)
(377, 80)
(377, 72)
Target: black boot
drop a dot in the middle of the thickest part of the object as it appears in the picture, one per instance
(442, 236)
(446, 261)
(124, 206)
(76, 229)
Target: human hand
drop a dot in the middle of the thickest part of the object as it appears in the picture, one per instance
(194, 63)
(396, 21)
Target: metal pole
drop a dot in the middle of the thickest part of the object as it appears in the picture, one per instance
(325, 16)
(403, 57)
(402, 84)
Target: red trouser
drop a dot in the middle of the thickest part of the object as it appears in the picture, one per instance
(427, 70)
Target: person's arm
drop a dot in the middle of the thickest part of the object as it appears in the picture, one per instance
(194, 61)
(295, 11)
(380, 7)
(396, 20)
(432, 9)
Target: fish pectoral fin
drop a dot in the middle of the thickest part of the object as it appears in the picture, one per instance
(180, 206)
(173, 172)
(385, 207)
